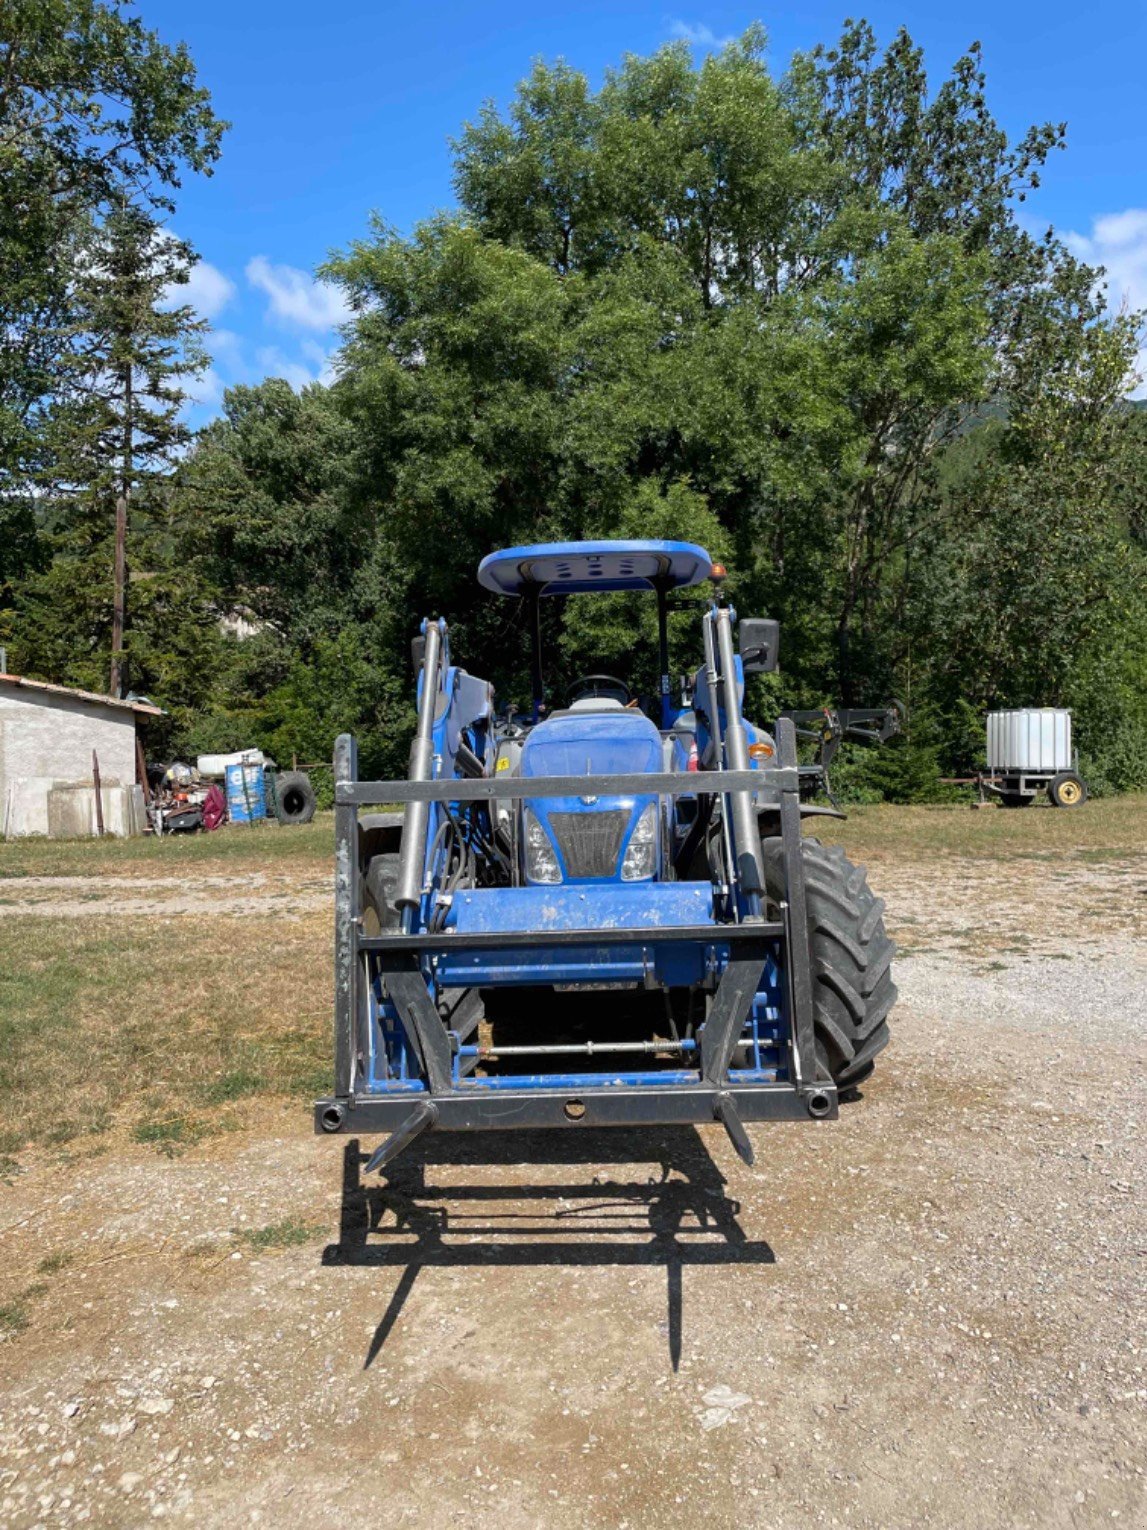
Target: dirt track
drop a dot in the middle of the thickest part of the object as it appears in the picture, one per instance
(931, 1312)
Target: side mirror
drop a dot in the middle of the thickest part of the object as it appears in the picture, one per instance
(759, 638)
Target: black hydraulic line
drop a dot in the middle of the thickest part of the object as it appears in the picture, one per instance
(469, 762)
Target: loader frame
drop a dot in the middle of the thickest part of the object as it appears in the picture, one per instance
(443, 1095)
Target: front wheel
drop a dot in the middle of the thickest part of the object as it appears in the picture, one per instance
(851, 957)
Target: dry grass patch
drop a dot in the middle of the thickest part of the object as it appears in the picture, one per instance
(160, 1028)
(1107, 831)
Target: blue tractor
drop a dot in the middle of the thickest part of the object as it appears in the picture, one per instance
(588, 915)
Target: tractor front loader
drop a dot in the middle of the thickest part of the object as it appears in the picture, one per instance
(591, 916)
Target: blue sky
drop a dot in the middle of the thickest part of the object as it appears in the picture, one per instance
(340, 112)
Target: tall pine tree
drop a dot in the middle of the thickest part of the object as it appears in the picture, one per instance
(132, 354)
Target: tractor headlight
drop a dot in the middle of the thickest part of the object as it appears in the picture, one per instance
(641, 852)
(541, 857)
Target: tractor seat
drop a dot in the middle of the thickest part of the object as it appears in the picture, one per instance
(587, 704)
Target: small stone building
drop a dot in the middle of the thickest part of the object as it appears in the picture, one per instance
(48, 737)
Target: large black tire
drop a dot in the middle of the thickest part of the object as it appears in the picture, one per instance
(851, 958)
(294, 797)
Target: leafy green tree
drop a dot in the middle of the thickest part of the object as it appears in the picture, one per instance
(793, 317)
(95, 111)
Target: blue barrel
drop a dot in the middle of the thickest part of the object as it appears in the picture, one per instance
(246, 796)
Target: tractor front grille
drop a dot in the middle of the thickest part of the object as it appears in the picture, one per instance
(590, 842)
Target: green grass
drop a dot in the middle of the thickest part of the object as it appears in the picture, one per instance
(171, 1136)
(14, 1318)
(236, 847)
(291, 1232)
(235, 1084)
(158, 1027)
(52, 1264)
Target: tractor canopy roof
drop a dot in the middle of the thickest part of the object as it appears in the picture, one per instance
(576, 568)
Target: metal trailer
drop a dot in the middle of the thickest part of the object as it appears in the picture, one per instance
(1029, 752)
(519, 872)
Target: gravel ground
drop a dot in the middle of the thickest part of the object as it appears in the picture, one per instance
(928, 1313)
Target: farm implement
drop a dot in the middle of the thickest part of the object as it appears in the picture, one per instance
(590, 915)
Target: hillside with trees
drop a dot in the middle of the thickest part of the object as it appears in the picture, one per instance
(795, 316)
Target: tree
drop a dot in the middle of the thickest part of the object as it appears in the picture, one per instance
(95, 112)
(793, 317)
(130, 351)
(131, 355)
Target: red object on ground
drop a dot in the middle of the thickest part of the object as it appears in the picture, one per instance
(214, 808)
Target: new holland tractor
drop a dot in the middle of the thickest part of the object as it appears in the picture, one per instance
(586, 915)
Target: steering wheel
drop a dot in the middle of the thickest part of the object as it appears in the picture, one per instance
(600, 687)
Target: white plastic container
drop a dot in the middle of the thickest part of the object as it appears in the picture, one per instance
(1029, 741)
(214, 766)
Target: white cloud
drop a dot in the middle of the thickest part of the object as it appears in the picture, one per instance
(205, 388)
(275, 363)
(322, 358)
(1118, 242)
(225, 344)
(207, 289)
(697, 34)
(297, 297)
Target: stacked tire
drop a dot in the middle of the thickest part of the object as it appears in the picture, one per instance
(294, 797)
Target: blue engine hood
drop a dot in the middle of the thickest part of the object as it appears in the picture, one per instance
(593, 743)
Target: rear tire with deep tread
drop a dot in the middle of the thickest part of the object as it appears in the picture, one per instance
(851, 958)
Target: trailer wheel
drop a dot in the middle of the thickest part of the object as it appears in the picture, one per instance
(294, 797)
(851, 958)
(1067, 790)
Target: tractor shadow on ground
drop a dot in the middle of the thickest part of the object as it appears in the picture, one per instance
(406, 1221)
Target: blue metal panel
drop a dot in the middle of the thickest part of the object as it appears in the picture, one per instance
(575, 568)
(657, 906)
(622, 742)
(679, 965)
